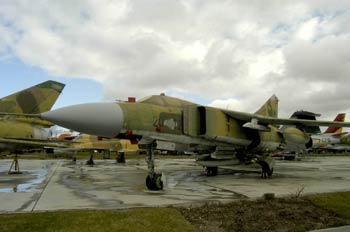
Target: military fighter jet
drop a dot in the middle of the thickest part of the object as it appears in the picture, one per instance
(34, 100)
(218, 136)
(18, 131)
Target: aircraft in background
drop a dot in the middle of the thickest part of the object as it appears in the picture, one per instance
(219, 137)
(36, 99)
(92, 143)
(333, 139)
(19, 132)
(317, 140)
(334, 129)
(308, 130)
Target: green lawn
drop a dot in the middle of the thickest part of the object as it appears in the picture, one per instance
(143, 219)
(336, 202)
(170, 219)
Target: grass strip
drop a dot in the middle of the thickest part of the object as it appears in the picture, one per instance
(142, 219)
(337, 202)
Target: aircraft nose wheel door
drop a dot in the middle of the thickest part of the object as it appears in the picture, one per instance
(153, 180)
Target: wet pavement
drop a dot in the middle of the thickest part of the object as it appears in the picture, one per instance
(61, 184)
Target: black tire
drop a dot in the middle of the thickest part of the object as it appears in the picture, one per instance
(149, 183)
(212, 171)
(155, 183)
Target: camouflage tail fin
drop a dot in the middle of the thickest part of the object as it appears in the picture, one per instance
(333, 129)
(270, 107)
(36, 99)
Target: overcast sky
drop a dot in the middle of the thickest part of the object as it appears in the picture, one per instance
(232, 54)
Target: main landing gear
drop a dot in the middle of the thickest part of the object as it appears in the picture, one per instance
(153, 180)
(266, 167)
(15, 163)
(90, 161)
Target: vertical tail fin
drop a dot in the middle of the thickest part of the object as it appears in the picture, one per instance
(333, 129)
(36, 99)
(270, 107)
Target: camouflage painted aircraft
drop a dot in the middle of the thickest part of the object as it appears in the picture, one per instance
(34, 100)
(91, 143)
(218, 136)
(18, 131)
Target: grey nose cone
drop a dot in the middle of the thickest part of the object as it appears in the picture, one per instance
(101, 119)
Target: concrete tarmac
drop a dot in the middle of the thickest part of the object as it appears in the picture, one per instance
(61, 184)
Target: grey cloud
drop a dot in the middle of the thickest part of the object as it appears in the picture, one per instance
(325, 60)
(136, 48)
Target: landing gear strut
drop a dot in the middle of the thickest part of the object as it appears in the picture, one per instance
(266, 170)
(153, 180)
(90, 161)
(16, 164)
(120, 157)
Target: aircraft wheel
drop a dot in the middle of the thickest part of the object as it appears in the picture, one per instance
(158, 182)
(90, 162)
(212, 171)
(149, 182)
(154, 183)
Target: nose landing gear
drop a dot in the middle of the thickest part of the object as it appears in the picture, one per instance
(153, 180)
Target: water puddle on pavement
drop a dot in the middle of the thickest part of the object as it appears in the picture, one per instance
(26, 182)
